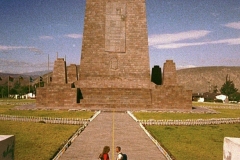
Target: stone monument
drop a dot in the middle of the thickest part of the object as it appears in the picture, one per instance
(114, 66)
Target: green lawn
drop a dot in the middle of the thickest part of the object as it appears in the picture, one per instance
(9, 110)
(194, 142)
(224, 113)
(37, 141)
(11, 100)
(49, 113)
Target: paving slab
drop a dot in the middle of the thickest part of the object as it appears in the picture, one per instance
(113, 129)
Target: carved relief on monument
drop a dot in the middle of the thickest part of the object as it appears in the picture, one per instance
(115, 27)
(114, 64)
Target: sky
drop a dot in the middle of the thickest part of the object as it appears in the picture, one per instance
(192, 33)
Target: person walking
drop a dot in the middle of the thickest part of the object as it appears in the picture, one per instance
(104, 155)
(119, 153)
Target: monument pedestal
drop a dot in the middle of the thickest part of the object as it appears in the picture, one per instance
(53, 95)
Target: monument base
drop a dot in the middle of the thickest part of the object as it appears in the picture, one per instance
(109, 92)
(55, 95)
(171, 97)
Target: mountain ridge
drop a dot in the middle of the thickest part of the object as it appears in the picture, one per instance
(203, 79)
(197, 79)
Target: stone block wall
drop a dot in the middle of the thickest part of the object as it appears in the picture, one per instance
(171, 98)
(105, 82)
(116, 96)
(56, 96)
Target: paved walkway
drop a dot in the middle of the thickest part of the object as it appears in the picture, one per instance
(113, 129)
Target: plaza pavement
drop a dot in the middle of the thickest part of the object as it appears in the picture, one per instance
(113, 129)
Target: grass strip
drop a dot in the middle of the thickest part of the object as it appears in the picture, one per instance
(194, 142)
(224, 113)
(8, 110)
(50, 113)
(37, 141)
(11, 100)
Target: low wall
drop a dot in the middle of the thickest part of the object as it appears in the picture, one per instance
(164, 152)
(73, 121)
(191, 122)
(222, 107)
(231, 148)
(70, 141)
(7, 143)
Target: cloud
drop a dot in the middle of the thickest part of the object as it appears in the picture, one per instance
(13, 63)
(172, 41)
(6, 48)
(46, 37)
(36, 50)
(15, 66)
(214, 14)
(75, 36)
(23, 64)
(177, 45)
(185, 66)
(235, 25)
(232, 41)
(170, 38)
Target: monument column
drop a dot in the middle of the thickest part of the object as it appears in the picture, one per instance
(115, 43)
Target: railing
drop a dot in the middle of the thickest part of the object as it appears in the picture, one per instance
(15, 103)
(70, 141)
(188, 122)
(72, 121)
(191, 122)
(164, 152)
(221, 107)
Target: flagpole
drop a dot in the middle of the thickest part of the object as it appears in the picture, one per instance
(48, 70)
(8, 86)
(29, 86)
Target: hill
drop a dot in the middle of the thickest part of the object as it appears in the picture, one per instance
(202, 79)
(199, 79)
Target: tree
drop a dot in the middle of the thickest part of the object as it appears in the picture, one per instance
(156, 76)
(215, 89)
(3, 91)
(13, 91)
(234, 97)
(228, 87)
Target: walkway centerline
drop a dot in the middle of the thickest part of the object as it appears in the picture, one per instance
(110, 129)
